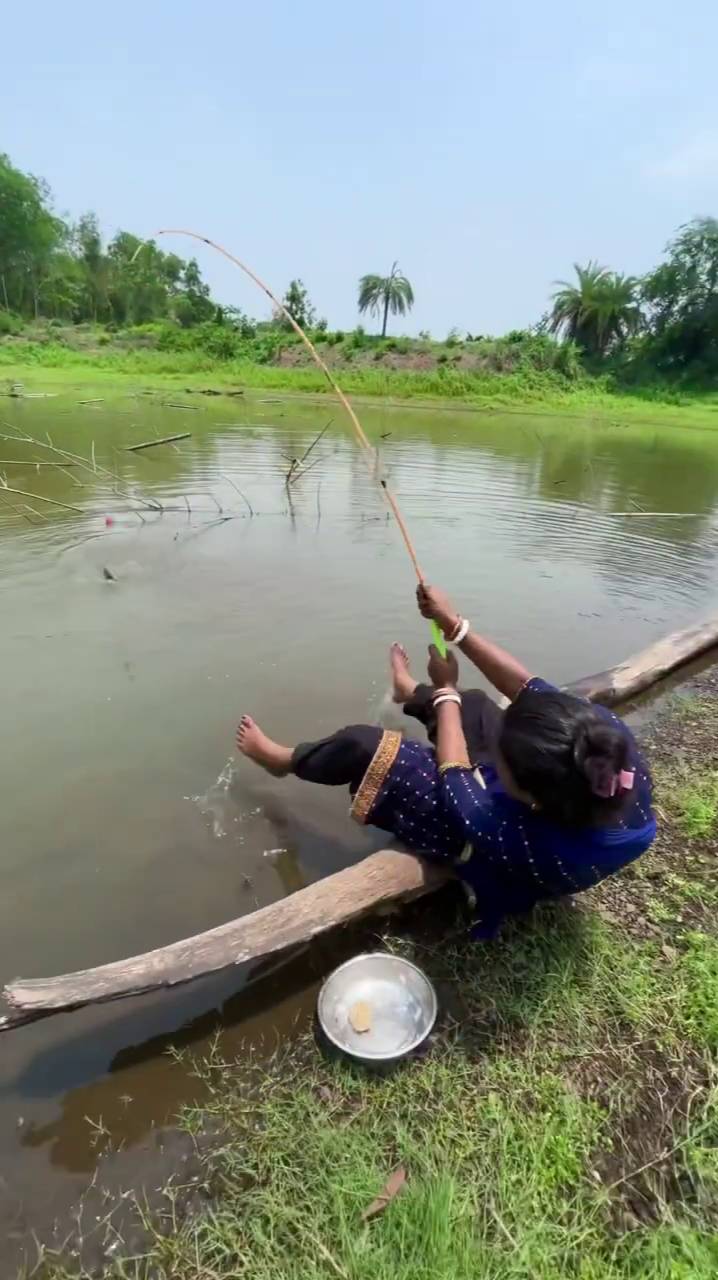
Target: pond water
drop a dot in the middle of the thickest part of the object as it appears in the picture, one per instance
(125, 822)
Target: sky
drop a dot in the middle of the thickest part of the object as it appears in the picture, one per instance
(485, 147)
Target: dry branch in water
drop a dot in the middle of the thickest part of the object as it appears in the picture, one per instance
(76, 459)
(37, 497)
(151, 444)
(237, 489)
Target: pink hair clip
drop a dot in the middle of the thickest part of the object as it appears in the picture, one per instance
(604, 782)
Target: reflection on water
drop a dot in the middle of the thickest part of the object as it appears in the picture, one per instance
(125, 822)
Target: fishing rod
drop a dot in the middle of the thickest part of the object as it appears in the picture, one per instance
(364, 442)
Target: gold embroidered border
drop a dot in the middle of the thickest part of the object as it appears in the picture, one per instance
(371, 783)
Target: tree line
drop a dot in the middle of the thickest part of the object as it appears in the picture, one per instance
(664, 324)
(62, 270)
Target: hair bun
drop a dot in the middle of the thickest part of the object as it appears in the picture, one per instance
(599, 740)
(600, 753)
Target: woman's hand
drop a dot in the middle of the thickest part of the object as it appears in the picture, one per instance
(436, 605)
(443, 672)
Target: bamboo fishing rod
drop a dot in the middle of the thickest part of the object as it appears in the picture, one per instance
(356, 425)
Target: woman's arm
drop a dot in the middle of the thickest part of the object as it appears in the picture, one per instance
(505, 672)
(450, 739)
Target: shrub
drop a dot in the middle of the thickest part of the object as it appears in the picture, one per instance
(9, 323)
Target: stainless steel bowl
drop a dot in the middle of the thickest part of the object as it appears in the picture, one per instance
(395, 997)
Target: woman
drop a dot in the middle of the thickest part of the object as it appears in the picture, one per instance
(546, 798)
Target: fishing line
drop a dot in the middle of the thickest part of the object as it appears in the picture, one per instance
(364, 442)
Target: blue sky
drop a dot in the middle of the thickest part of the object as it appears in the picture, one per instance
(485, 147)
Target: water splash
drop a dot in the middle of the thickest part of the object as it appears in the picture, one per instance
(215, 803)
(386, 712)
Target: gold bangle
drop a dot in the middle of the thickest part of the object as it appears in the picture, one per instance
(454, 764)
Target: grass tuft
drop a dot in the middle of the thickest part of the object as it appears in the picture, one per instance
(697, 805)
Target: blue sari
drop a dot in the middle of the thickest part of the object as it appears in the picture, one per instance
(508, 855)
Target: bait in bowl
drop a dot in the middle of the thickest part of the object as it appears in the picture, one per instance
(377, 1008)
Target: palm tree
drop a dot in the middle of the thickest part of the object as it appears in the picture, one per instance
(386, 293)
(598, 312)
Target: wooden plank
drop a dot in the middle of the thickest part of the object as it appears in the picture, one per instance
(382, 880)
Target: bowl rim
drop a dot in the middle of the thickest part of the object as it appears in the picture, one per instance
(377, 1056)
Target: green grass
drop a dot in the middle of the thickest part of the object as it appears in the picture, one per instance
(33, 362)
(699, 974)
(571, 1085)
(697, 805)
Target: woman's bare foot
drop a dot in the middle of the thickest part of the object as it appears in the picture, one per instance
(403, 681)
(270, 755)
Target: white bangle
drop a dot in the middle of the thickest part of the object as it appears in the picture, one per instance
(462, 632)
(448, 697)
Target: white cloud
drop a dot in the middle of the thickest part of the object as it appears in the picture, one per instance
(692, 159)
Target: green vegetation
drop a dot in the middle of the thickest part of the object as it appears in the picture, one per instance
(597, 313)
(664, 326)
(563, 1125)
(697, 804)
(151, 311)
(297, 303)
(382, 294)
(53, 269)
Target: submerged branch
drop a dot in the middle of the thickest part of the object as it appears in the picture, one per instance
(37, 497)
(323, 432)
(151, 444)
(237, 489)
(76, 459)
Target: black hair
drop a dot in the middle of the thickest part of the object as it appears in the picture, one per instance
(556, 746)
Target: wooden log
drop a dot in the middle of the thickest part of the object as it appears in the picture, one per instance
(646, 668)
(384, 878)
(381, 880)
(152, 444)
